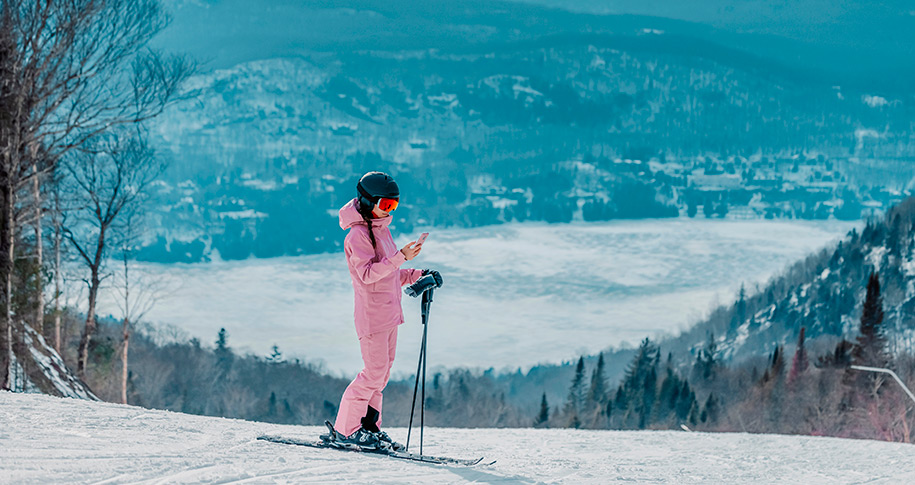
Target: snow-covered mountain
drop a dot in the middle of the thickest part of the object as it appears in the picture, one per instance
(835, 36)
(52, 440)
(577, 127)
(490, 112)
(661, 94)
(868, 41)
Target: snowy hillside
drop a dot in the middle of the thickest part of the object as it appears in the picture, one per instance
(53, 440)
(824, 293)
(39, 368)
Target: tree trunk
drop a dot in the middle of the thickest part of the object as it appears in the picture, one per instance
(57, 296)
(95, 282)
(57, 225)
(7, 147)
(89, 329)
(124, 362)
(57, 238)
(6, 270)
(39, 257)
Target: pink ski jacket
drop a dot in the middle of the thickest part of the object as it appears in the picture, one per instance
(377, 277)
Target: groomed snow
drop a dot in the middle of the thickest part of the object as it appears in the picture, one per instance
(54, 440)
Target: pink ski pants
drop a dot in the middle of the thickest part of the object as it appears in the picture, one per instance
(377, 355)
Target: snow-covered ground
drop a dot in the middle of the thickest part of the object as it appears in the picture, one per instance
(514, 295)
(53, 440)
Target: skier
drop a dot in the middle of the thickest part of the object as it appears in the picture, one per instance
(374, 265)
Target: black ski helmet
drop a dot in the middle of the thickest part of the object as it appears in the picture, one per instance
(373, 186)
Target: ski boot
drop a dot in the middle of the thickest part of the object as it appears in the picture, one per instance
(388, 442)
(361, 438)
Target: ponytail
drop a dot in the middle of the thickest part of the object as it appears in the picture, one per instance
(366, 212)
(368, 222)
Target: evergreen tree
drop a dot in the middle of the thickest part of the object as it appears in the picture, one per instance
(778, 363)
(894, 238)
(740, 309)
(576, 394)
(620, 401)
(840, 358)
(275, 356)
(670, 390)
(635, 395)
(836, 260)
(222, 341)
(649, 391)
(693, 417)
(800, 362)
(685, 401)
(707, 359)
(646, 357)
(544, 417)
(668, 397)
(776, 398)
(711, 410)
(597, 393)
(870, 349)
(223, 353)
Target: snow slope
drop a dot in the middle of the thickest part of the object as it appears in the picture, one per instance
(54, 440)
(42, 370)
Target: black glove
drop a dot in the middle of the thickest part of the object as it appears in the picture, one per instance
(422, 284)
(435, 274)
(430, 279)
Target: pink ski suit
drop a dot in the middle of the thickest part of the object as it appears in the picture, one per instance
(377, 281)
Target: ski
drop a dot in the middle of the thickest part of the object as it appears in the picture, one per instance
(401, 455)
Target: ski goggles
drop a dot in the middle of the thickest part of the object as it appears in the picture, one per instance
(387, 205)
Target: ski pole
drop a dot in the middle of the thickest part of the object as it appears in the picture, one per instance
(427, 304)
(422, 352)
(421, 366)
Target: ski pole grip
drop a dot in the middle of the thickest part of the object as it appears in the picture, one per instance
(421, 286)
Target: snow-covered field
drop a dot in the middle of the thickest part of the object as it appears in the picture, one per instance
(52, 440)
(514, 295)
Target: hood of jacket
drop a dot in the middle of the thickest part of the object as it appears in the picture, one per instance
(350, 216)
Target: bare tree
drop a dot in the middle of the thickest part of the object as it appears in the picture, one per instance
(57, 237)
(37, 205)
(70, 70)
(104, 184)
(138, 291)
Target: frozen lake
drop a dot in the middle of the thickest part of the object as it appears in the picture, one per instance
(514, 295)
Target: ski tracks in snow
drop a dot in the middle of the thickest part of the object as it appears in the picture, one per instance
(51, 440)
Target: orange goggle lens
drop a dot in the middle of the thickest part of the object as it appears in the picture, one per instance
(387, 205)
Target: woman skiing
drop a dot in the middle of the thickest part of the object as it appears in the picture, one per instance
(374, 265)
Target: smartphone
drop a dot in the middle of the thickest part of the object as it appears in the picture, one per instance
(422, 238)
